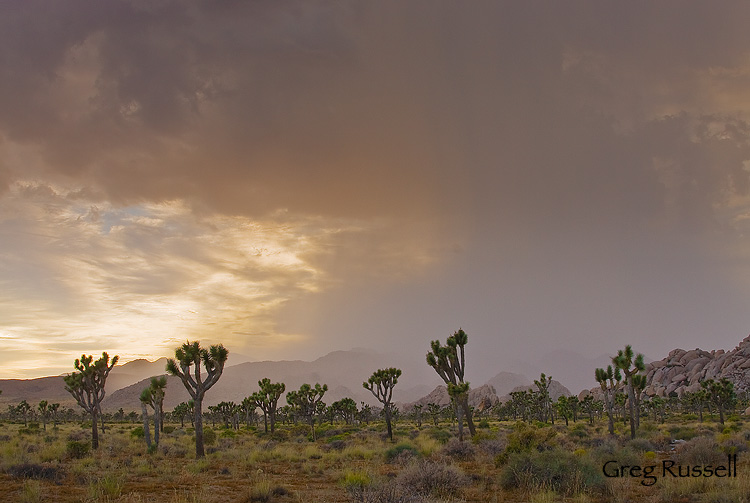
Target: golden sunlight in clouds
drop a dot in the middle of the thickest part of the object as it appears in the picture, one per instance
(139, 280)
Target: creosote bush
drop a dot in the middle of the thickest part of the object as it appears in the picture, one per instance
(400, 452)
(77, 450)
(557, 470)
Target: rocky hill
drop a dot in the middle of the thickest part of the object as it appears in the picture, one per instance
(683, 371)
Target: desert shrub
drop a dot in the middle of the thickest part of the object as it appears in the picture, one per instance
(611, 449)
(482, 436)
(682, 432)
(106, 488)
(168, 429)
(299, 430)
(209, 436)
(493, 446)
(458, 450)
(428, 478)
(337, 445)
(355, 482)
(137, 432)
(484, 424)
(641, 444)
(35, 471)
(557, 470)
(734, 444)
(439, 435)
(279, 436)
(699, 451)
(400, 452)
(227, 433)
(79, 435)
(77, 450)
(579, 430)
(525, 437)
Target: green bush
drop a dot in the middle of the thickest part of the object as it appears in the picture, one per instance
(77, 450)
(209, 436)
(168, 429)
(525, 437)
(137, 432)
(355, 482)
(440, 435)
(400, 450)
(226, 433)
(557, 470)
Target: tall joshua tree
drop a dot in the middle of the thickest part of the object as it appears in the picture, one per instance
(153, 396)
(609, 380)
(630, 368)
(267, 400)
(720, 393)
(147, 400)
(212, 360)
(87, 387)
(158, 390)
(44, 411)
(450, 363)
(306, 400)
(381, 384)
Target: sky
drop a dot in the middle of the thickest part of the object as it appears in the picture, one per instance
(293, 178)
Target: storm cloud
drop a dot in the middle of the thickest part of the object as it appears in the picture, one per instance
(543, 174)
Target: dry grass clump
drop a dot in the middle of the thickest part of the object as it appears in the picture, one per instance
(455, 449)
(421, 481)
(700, 451)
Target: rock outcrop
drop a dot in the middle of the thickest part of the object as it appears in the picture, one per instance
(683, 371)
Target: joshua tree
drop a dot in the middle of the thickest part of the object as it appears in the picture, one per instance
(147, 400)
(45, 412)
(24, 408)
(158, 389)
(306, 400)
(544, 399)
(53, 408)
(347, 407)
(721, 394)
(418, 414)
(381, 384)
(212, 360)
(433, 410)
(87, 387)
(609, 380)
(181, 410)
(564, 408)
(624, 361)
(267, 400)
(153, 396)
(450, 363)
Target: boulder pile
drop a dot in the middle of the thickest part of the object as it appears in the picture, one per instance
(683, 371)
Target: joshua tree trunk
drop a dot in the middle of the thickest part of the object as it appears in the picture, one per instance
(460, 419)
(387, 412)
(198, 420)
(94, 431)
(146, 427)
(467, 411)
